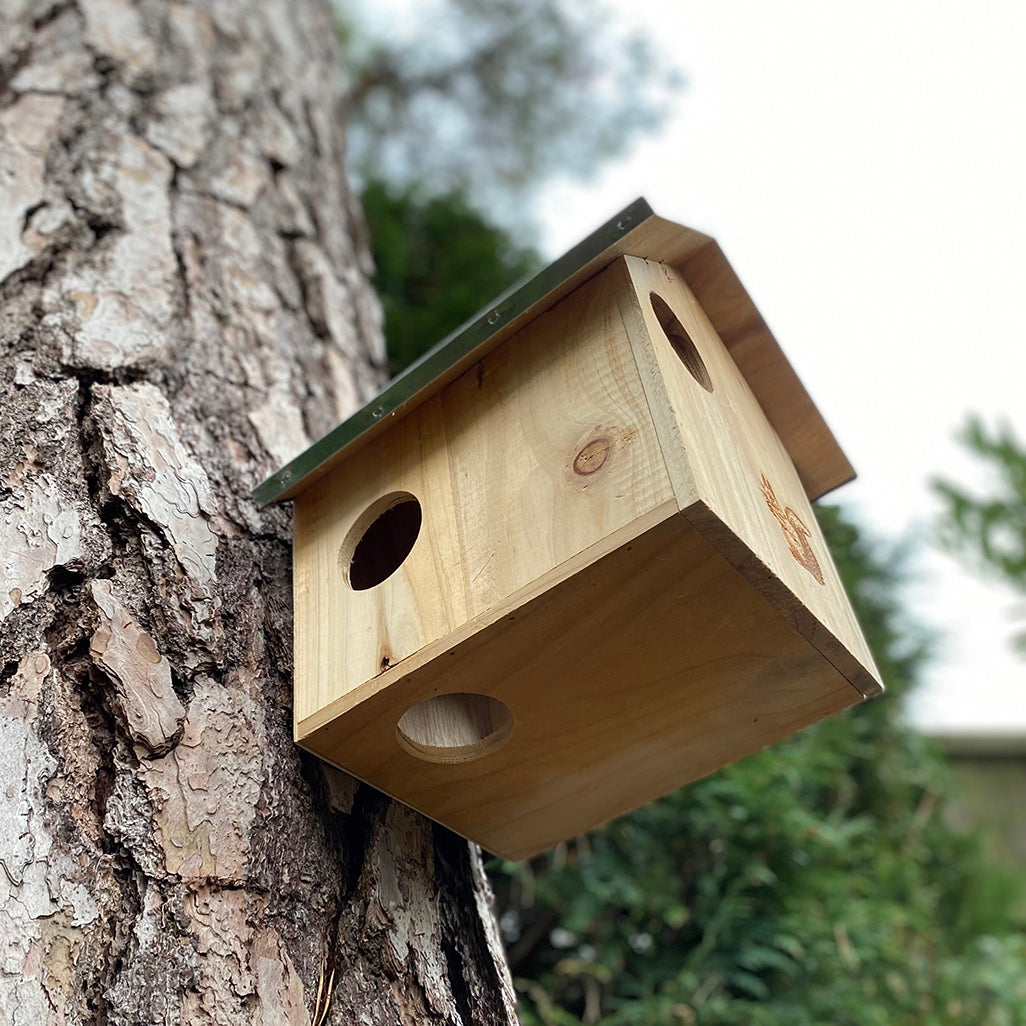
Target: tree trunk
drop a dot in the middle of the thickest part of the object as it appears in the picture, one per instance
(183, 305)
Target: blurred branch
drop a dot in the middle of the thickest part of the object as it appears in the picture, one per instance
(492, 98)
(990, 530)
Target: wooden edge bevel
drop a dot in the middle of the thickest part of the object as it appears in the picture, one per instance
(864, 679)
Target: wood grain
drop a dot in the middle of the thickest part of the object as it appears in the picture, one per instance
(734, 478)
(647, 669)
(618, 586)
(541, 453)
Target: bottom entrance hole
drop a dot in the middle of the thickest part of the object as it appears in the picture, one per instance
(455, 728)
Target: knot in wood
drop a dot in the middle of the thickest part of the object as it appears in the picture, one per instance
(592, 457)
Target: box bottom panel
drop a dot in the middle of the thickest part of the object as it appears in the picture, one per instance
(652, 667)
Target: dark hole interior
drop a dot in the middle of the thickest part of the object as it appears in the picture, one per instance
(681, 341)
(384, 545)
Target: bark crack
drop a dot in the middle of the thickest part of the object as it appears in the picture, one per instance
(183, 301)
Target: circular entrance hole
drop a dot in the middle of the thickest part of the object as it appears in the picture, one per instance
(681, 341)
(455, 728)
(380, 540)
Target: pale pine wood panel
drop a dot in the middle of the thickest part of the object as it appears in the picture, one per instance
(750, 501)
(491, 458)
(649, 668)
(342, 636)
(517, 425)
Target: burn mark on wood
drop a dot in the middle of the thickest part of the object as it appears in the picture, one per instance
(795, 532)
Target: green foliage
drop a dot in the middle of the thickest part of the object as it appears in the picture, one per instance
(990, 531)
(492, 96)
(814, 882)
(437, 263)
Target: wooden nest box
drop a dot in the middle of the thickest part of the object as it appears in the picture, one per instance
(568, 562)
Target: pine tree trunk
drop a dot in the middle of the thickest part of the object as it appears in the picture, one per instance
(183, 305)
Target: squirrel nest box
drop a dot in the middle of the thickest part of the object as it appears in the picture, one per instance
(567, 562)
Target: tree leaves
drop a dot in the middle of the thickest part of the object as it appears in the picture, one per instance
(989, 531)
(438, 262)
(490, 97)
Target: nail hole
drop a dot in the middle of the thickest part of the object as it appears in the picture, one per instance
(380, 540)
(455, 728)
(681, 341)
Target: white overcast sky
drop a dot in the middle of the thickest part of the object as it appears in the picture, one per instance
(863, 167)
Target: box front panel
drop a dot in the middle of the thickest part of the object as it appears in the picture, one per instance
(345, 635)
(539, 459)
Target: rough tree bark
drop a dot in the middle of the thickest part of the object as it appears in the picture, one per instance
(183, 305)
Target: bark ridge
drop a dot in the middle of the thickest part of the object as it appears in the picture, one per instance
(184, 305)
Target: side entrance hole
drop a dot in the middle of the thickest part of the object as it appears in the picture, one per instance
(380, 540)
(681, 341)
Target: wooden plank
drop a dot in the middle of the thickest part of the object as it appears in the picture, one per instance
(542, 452)
(342, 636)
(648, 668)
(736, 481)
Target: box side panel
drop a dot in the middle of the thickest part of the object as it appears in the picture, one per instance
(750, 501)
(540, 453)
(652, 667)
(820, 463)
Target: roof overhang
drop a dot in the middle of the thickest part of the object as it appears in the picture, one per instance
(636, 231)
